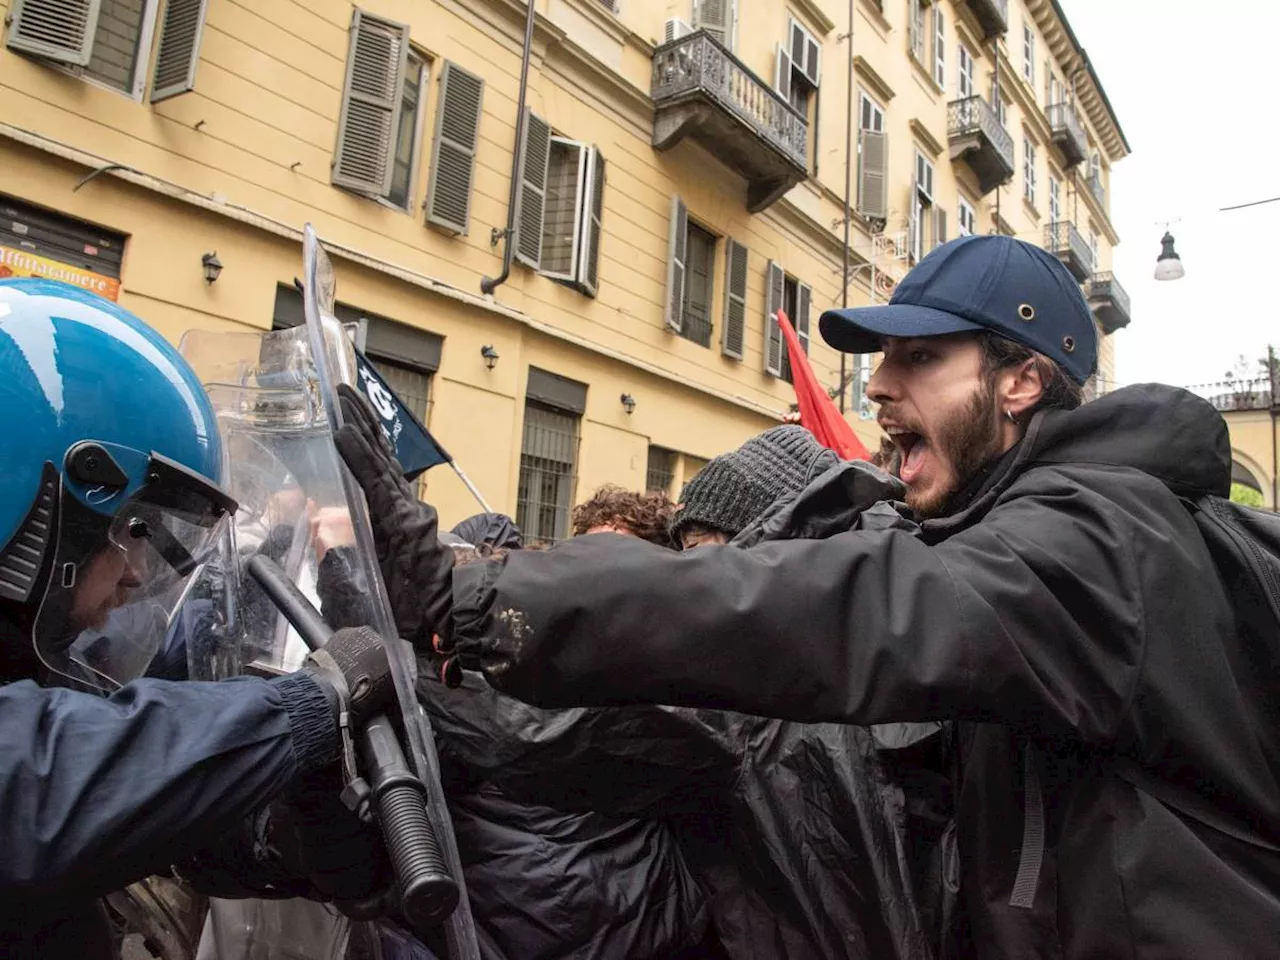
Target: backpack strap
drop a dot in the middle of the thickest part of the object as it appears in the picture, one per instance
(1031, 859)
(1187, 802)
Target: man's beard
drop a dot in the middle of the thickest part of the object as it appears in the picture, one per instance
(966, 441)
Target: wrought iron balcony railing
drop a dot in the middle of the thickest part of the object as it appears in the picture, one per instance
(979, 138)
(1065, 242)
(1068, 133)
(1232, 395)
(703, 91)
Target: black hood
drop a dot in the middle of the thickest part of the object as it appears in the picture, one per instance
(1165, 432)
(495, 529)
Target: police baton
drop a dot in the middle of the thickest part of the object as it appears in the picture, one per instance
(428, 895)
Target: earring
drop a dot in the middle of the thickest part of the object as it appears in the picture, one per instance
(1012, 419)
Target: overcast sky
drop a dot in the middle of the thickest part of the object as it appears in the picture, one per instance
(1194, 87)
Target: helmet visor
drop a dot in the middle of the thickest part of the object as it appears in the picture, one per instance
(111, 599)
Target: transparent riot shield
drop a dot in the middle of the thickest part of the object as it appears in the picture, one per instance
(275, 400)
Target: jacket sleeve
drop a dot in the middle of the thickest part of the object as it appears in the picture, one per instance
(98, 792)
(1032, 617)
(622, 761)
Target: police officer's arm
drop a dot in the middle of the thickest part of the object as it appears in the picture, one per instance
(1033, 616)
(95, 793)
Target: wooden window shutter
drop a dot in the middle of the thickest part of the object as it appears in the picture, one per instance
(873, 175)
(60, 30)
(371, 96)
(804, 300)
(179, 50)
(453, 160)
(592, 217)
(775, 281)
(715, 17)
(735, 299)
(940, 227)
(678, 240)
(782, 73)
(533, 190)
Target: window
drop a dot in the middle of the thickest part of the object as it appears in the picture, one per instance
(916, 28)
(1028, 171)
(698, 286)
(1028, 54)
(921, 221)
(549, 455)
(372, 98)
(661, 471)
(798, 70)
(965, 85)
(411, 101)
(793, 298)
(939, 47)
(561, 206)
(109, 41)
(719, 18)
(1055, 199)
(873, 160)
(1093, 246)
(965, 219)
(735, 299)
(862, 371)
(997, 102)
(1053, 92)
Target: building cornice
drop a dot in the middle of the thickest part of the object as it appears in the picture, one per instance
(812, 12)
(874, 83)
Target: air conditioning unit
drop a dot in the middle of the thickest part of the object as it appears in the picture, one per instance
(675, 29)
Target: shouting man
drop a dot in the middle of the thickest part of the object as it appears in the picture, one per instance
(1119, 777)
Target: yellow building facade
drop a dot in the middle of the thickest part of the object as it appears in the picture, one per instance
(684, 174)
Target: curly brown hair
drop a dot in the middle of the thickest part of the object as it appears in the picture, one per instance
(644, 515)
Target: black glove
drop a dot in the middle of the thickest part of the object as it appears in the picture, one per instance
(416, 567)
(341, 856)
(353, 669)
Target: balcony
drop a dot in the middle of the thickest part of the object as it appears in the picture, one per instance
(703, 91)
(1110, 302)
(1068, 134)
(993, 16)
(979, 139)
(1065, 242)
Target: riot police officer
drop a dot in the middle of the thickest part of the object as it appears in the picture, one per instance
(109, 502)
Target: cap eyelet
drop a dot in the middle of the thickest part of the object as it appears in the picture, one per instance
(1069, 344)
(1026, 312)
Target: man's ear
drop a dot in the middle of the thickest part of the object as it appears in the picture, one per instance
(1021, 388)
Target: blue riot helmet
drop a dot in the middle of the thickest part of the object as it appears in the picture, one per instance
(110, 462)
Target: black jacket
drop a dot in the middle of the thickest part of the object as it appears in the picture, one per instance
(1070, 611)
(812, 838)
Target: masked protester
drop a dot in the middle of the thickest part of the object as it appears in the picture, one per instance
(109, 504)
(1058, 598)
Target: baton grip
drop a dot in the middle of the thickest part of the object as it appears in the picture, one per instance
(428, 894)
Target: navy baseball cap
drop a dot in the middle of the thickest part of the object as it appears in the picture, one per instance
(992, 283)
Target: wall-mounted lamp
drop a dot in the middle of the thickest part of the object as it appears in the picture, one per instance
(490, 355)
(629, 403)
(212, 266)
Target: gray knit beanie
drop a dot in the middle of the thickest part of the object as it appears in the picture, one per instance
(736, 487)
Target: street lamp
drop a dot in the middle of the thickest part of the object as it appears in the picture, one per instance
(1169, 264)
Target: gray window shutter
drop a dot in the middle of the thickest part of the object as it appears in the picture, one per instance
(804, 298)
(940, 227)
(533, 190)
(735, 299)
(592, 217)
(179, 49)
(774, 282)
(872, 175)
(453, 160)
(678, 238)
(371, 96)
(782, 73)
(715, 17)
(60, 30)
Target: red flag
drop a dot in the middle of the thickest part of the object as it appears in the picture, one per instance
(817, 411)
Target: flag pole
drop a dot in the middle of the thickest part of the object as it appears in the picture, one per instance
(466, 481)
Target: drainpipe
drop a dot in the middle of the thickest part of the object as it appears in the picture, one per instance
(995, 55)
(848, 190)
(490, 284)
(1274, 379)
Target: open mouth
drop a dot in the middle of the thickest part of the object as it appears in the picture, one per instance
(915, 451)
